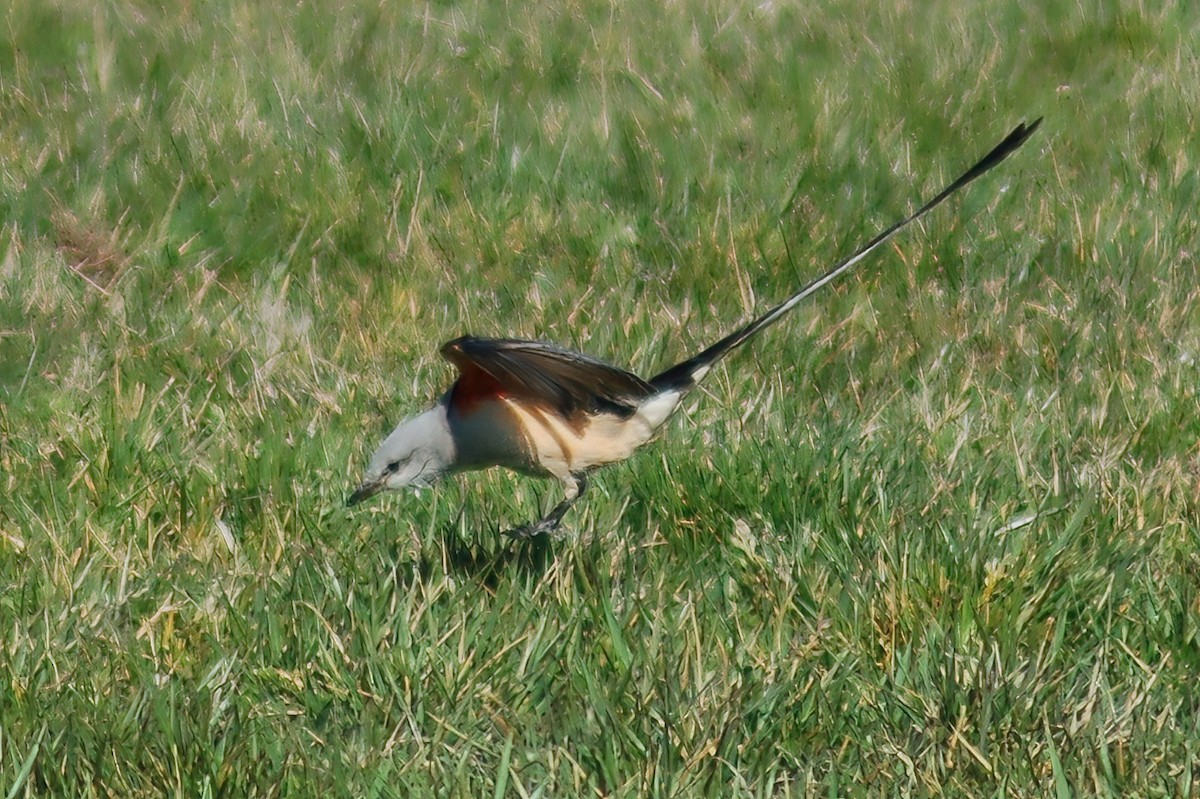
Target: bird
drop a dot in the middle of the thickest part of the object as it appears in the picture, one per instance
(543, 410)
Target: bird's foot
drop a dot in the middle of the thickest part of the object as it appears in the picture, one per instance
(549, 523)
(534, 529)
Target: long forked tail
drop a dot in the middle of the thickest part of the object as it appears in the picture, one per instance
(684, 375)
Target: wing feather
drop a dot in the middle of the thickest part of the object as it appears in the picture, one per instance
(562, 379)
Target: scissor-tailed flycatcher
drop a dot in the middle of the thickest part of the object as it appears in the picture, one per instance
(544, 410)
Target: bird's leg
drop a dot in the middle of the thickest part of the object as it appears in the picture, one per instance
(549, 523)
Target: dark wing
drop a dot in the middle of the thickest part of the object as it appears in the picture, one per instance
(567, 381)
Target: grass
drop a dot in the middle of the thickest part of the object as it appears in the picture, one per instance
(937, 534)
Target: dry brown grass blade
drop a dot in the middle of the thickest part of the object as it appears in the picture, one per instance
(89, 253)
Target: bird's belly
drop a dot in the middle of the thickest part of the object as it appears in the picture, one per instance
(563, 446)
(492, 434)
(537, 440)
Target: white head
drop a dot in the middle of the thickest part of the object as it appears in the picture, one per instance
(418, 453)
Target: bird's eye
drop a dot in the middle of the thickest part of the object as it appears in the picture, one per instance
(393, 467)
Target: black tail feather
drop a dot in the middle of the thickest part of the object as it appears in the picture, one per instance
(684, 375)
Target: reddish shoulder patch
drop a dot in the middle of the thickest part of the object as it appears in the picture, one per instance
(474, 388)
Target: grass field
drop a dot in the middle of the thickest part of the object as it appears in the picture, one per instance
(936, 534)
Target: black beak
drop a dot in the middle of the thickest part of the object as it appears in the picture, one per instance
(363, 492)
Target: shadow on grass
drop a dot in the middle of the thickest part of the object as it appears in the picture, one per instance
(485, 557)
(528, 558)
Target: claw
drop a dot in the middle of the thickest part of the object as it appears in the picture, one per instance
(527, 531)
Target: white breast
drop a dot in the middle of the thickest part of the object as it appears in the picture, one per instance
(492, 434)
